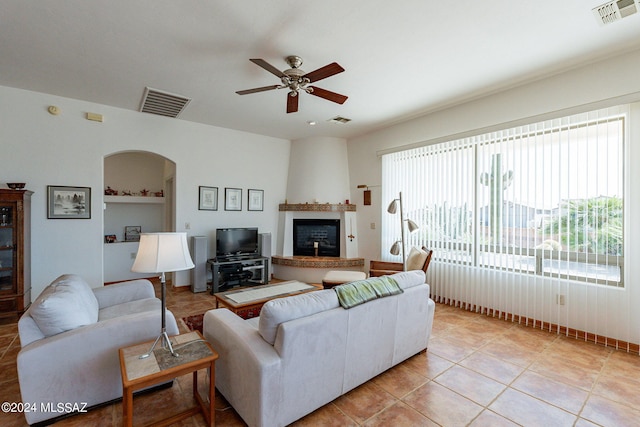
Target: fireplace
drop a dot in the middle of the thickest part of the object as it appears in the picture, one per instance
(323, 234)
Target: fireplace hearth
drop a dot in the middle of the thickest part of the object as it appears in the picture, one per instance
(320, 234)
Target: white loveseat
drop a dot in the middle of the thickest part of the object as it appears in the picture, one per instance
(305, 351)
(70, 338)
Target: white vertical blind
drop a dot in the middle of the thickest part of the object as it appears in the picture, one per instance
(525, 223)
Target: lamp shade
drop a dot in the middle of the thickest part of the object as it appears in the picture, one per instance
(162, 253)
(412, 226)
(395, 248)
(393, 206)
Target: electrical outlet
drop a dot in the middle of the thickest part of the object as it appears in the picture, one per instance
(560, 299)
(187, 226)
(373, 225)
(133, 255)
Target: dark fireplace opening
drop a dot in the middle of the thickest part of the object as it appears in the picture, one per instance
(321, 233)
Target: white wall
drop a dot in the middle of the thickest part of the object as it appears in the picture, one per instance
(41, 149)
(603, 83)
(318, 171)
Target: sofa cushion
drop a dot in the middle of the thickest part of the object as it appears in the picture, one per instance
(282, 310)
(416, 259)
(409, 279)
(131, 307)
(67, 303)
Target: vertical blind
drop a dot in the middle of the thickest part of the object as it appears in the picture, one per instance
(525, 223)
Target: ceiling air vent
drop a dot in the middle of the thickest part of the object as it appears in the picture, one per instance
(163, 103)
(339, 120)
(614, 11)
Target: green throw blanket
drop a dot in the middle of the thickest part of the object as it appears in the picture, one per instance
(361, 291)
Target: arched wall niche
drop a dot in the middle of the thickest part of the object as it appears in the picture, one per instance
(144, 182)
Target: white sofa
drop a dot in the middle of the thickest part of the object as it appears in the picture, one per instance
(70, 338)
(305, 351)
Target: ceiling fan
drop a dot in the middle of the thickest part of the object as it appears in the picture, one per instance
(297, 80)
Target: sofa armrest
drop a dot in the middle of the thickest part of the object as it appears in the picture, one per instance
(383, 268)
(385, 265)
(122, 292)
(248, 370)
(231, 333)
(82, 365)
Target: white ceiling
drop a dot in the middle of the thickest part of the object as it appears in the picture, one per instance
(402, 58)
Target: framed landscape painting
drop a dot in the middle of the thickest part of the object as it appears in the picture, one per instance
(68, 202)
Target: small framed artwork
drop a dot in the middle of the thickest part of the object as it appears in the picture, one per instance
(132, 233)
(255, 201)
(232, 199)
(208, 199)
(68, 202)
(110, 238)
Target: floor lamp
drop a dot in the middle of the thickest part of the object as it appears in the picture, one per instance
(412, 226)
(162, 253)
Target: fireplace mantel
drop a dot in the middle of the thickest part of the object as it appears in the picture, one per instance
(316, 207)
(318, 262)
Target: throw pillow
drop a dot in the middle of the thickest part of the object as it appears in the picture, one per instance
(282, 310)
(67, 303)
(416, 259)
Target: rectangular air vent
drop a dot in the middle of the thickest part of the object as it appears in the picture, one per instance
(339, 120)
(614, 11)
(163, 103)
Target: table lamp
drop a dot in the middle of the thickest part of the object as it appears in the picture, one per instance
(162, 253)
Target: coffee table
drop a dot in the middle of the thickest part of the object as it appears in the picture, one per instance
(247, 302)
(194, 353)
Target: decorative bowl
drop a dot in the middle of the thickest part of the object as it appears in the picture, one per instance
(16, 185)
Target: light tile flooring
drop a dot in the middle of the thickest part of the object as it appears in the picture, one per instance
(478, 371)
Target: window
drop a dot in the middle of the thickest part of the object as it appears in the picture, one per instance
(544, 199)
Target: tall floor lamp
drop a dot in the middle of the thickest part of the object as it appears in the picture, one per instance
(412, 226)
(162, 253)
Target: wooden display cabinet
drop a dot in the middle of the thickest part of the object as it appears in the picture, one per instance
(15, 253)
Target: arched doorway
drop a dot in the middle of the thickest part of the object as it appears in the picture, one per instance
(138, 201)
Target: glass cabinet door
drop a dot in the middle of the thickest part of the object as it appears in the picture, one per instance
(7, 248)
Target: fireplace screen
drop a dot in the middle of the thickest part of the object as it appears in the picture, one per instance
(323, 234)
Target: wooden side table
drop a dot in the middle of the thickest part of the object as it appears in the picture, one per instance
(194, 352)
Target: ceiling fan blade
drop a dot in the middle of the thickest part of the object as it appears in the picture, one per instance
(327, 94)
(258, 89)
(324, 72)
(292, 103)
(270, 68)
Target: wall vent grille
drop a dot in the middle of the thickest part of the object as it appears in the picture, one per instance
(614, 11)
(166, 104)
(340, 120)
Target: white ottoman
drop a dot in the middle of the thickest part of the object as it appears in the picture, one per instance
(334, 278)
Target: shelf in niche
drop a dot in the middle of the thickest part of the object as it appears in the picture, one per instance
(134, 199)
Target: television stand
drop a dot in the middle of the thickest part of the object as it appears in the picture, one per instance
(226, 274)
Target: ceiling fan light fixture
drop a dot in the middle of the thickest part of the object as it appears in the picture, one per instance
(297, 80)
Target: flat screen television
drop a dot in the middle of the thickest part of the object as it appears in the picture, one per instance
(240, 242)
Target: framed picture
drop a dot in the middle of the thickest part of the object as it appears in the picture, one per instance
(208, 199)
(232, 199)
(110, 238)
(68, 202)
(132, 233)
(255, 200)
